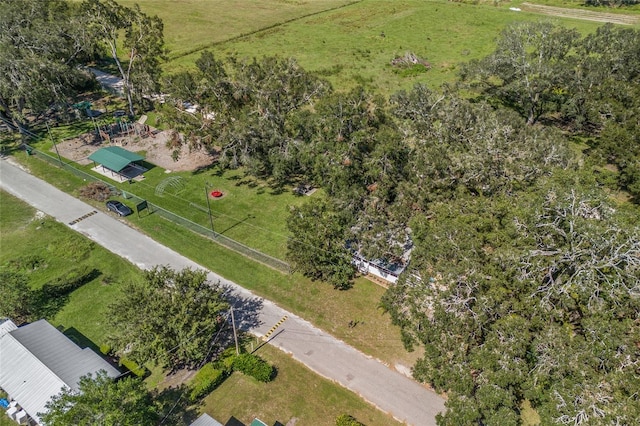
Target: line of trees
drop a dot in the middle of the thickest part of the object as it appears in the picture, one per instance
(524, 278)
(44, 45)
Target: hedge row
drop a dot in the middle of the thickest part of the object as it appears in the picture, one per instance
(205, 381)
(254, 366)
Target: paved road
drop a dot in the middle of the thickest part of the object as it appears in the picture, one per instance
(388, 390)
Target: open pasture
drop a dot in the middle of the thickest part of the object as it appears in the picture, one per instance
(350, 43)
(192, 25)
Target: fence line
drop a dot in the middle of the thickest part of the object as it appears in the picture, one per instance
(223, 240)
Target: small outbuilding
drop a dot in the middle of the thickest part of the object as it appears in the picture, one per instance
(121, 164)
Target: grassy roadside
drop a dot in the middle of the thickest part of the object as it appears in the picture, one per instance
(318, 302)
(27, 233)
(292, 396)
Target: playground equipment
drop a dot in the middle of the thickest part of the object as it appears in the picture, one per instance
(123, 128)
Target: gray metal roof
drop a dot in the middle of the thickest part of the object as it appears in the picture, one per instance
(37, 361)
(206, 420)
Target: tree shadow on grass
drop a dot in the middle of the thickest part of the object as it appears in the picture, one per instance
(54, 295)
(175, 407)
(209, 167)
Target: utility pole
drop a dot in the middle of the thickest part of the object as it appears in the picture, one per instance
(206, 194)
(235, 336)
(54, 142)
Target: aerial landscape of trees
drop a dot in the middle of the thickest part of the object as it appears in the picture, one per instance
(523, 282)
(517, 187)
(46, 43)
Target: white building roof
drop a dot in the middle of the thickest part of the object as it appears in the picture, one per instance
(206, 420)
(6, 325)
(37, 361)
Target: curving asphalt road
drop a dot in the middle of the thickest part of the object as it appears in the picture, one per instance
(389, 391)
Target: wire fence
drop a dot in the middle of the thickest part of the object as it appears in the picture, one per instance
(223, 240)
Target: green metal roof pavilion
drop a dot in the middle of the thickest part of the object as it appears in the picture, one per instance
(115, 158)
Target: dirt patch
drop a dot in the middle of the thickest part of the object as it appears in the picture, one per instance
(177, 378)
(153, 147)
(586, 15)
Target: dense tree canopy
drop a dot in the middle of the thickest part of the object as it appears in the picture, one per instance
(102, 401)
(170, 318)
(247, 110)
(531, 297)
(44, 43)
(41, 44)
(589, 86)
(318, 249)
(524, 279)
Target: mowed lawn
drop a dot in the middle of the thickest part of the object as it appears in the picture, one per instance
(28, 234)
(250, 211)
(296, 391)
(293, 396)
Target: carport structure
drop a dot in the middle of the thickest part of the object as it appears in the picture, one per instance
(117, 163)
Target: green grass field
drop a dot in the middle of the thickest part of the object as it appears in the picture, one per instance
(24, 232)
(311, 400)
(250, 211)
(349, 45)
(190, 25)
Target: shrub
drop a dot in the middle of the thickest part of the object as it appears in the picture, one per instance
(226, 363)
(254, 366)
(72, 279)
(132, 366)
(347, 420)
(105, 349)
(205, 381)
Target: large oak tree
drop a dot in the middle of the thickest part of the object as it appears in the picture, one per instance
(170, 318)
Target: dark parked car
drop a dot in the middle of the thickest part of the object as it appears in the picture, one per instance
(118, 207)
